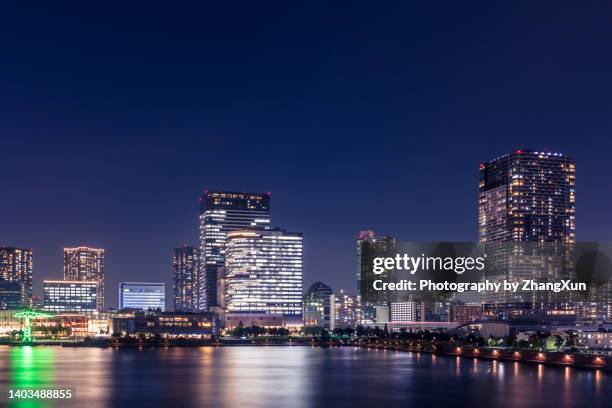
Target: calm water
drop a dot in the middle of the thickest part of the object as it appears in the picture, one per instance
(292, 377)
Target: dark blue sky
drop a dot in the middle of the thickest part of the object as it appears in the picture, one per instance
(114, 119)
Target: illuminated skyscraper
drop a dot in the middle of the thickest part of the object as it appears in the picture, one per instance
(526, 197)
(220, 213)
(264, 273)
(16, 266)
(86, 264)
(317, 305)
(369, 246)
(142, 295)
(70, 296)
(185, 267)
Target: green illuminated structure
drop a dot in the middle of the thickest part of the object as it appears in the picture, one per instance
(27, 316)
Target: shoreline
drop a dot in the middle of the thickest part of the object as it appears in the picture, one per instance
(550, 358)
(558, 359)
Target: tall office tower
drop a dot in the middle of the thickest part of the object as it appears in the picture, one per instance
(142, 295)
(70, 296)
(185, 267)
(369, 246)
(345, 310)
(16, 266)
(86, 264)
(220, 213)
(317, 305)
(264, 273)
(526, 197)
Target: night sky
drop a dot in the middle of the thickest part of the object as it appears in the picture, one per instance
(355, 116)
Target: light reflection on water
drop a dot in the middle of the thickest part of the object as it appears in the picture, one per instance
(291, 377)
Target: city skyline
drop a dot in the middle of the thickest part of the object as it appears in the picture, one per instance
(113, 147)
(266, 223)
(211, 204)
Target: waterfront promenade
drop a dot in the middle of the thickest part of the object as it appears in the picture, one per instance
(577, 360)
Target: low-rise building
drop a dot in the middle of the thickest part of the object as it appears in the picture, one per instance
(464, 313)
(404, 312)
(255, 319)
(8, 322)
(595, 339)
(172, 324)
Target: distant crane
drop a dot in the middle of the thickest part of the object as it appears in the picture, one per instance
(27, 316)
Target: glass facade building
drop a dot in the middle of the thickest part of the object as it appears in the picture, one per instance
(264, 273)
(370, 245)
(70, 296)
(10, 295)
(142, 295)
(86, 264)
(16, 266)
(220, 213)
(185, 268)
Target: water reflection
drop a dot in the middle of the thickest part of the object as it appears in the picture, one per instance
(256, 379)
(598, 376)
(29, 367)
(292, 377)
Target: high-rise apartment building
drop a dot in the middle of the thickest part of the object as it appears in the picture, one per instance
(70, 296)
(527, 217)
(345, 310)
(317, 305)
(86, 264)
(220, 213)
(264, 273)
(142, 295)
(185, 268)
(16, 266)
(528, 196)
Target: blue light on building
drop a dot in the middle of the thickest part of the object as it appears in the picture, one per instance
(142, 295)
